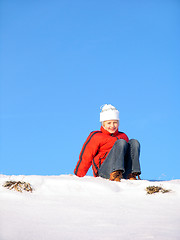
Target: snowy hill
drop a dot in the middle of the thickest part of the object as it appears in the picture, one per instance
(67, 207)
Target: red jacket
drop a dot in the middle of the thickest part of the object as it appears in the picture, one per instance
(95, 150)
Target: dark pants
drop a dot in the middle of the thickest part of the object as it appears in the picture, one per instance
(123, 156)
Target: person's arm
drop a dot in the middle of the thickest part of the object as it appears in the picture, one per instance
(124, 136)
(88, 151)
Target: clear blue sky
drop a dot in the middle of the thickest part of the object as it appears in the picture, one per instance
(61, 60)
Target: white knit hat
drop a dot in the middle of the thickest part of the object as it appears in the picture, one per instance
(108, 112)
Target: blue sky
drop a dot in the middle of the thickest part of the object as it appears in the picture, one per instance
(62, 60)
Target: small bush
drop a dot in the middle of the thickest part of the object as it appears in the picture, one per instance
(18, 186)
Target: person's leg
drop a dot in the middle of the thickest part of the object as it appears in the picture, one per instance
(132, 164)
(115, 159)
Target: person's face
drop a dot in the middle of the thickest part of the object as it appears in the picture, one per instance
(111, 125)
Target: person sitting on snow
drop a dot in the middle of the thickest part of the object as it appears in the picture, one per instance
(110, 152)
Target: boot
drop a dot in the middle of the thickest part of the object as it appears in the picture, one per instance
(132, 176)
(116, 176)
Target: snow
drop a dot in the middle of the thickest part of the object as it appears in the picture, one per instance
(67, 207)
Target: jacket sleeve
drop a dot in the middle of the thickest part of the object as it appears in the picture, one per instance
(126, 138)
(88, 151)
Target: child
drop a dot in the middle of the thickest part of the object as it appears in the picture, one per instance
(110, 152)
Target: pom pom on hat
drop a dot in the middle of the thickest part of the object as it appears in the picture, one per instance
(108, 112)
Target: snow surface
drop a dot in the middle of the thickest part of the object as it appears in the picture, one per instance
(67, 207)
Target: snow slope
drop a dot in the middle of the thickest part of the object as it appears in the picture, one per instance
(67, 207)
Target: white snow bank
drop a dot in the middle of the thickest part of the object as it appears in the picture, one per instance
(68, 207)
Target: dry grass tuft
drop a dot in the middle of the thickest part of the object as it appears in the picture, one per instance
(18, 186)
(156, 189)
